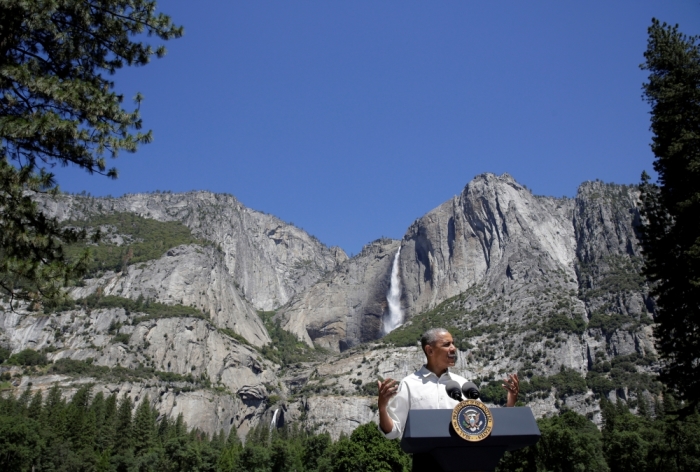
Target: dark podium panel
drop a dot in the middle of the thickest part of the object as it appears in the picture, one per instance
(435, 445)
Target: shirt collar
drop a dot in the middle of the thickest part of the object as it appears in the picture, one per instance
(424, 372)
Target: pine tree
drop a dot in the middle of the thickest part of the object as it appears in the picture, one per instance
(54, 414)
(123, 425)
(107, 429)
(34, 410)
(23, 402)
(671, 230)
(180, 429)
(642, 405)
(144, 428)
(58, 106)
(218, 441)
(97, 407)
(230, 455)
(80, 422)
(54, 430)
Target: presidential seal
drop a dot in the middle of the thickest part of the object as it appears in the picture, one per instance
(472, 420)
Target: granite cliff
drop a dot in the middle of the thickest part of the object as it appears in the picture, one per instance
(549, 287)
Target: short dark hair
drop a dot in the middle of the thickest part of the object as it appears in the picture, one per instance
(430, 336)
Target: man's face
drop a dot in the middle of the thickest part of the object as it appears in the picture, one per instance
(442, 353)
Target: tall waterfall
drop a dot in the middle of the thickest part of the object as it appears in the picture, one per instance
(273, 423)
(394, 319)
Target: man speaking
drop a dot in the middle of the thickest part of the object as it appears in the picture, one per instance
(426, 388)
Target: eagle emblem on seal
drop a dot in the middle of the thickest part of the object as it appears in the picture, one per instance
(472, 420)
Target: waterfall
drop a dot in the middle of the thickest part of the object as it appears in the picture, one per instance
(273, 423)
(394, 318)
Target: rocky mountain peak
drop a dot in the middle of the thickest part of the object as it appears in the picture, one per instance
(549, 287)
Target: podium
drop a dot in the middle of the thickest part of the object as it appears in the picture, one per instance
(435, 445)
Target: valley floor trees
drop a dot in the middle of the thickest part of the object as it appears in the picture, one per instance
(58, 107)
(45, 431)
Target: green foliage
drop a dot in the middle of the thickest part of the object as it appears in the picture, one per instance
(4, 354)
(292, 449)
(615, 273)
(622, 372)
(232, 334)
(645, 443)
(285, 348)
(98, 433)
(492, 392)
(569, 442)
(599, 383)
(608, 323)
(20, 443)
(562, 323)
(148, 239)
(27, 357)
(118, 374)
(153, 310)
(448, 315)
(370, 388)
(368, 450)
(121, 338)
(94, 432)
(59, 107)
(670, 230)
(567, 382)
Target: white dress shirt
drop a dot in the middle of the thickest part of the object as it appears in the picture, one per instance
(422, 390)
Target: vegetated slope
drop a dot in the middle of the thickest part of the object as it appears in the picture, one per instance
(268, 259)
(543, 286)
(162, 313)
(161, 261)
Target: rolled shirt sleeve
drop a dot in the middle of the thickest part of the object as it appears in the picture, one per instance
(398, 411)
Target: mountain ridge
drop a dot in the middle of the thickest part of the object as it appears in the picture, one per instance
(545, 286)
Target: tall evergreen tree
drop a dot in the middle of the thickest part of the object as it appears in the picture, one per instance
(671, 231)
(81, 425)
(144, 429)
(23, 402)
(58, 106)
(54, 414)
(123, 430)
(229, 457)
(107, 430)
(34, 409)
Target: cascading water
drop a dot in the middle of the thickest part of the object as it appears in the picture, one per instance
(394, 318)
(273, 423)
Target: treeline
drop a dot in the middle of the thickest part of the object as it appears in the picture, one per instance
(97, 432)
(663, 440)
(100, 433)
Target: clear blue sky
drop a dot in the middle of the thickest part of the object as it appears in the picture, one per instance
(352, 119)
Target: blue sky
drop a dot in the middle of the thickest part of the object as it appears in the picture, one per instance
(352, 119)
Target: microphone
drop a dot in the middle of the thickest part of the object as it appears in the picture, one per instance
(470, 390)
(453, 390)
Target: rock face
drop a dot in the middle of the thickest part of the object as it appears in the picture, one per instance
(496, 232)
(345, 307)
(498, 239)
(532, 284)
(188, 275)
(267, 258)
(192, 348)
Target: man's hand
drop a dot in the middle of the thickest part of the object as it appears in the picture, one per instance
(387, 389)
(512, 385)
